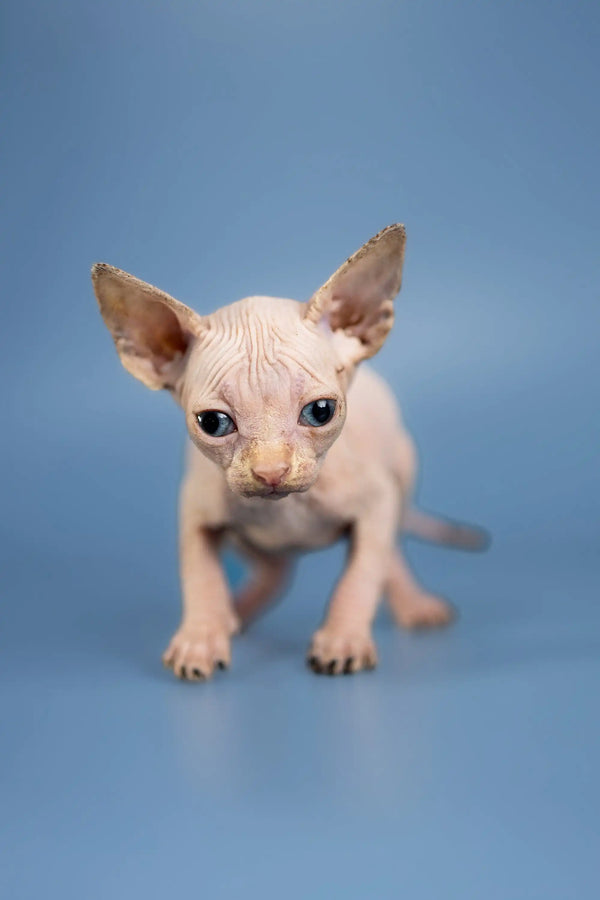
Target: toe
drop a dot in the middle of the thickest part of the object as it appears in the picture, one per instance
(335, 652)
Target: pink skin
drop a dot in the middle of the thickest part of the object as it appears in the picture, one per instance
(276, 484)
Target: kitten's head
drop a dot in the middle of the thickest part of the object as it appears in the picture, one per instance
(262, 382)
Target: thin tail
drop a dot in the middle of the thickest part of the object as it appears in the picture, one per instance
(443, 531)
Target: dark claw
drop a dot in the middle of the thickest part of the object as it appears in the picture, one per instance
(315, 665)
(198, 674)
(183, 672)
(221, 664)
(331, 667)
(348, 666)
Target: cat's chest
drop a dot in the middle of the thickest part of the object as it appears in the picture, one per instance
(297, 522)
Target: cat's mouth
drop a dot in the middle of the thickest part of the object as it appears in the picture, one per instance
(273, 492)
(277, 493)
(251, 491)
(270, 493)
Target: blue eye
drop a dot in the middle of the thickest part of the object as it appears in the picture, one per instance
(317, 413)
(215, 423)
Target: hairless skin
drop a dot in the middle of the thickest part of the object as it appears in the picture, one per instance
(292, 447)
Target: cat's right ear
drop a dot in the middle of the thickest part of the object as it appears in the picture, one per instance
(151, 330)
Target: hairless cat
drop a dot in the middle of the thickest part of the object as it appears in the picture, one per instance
(292, 447)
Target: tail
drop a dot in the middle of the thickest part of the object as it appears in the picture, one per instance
(442, 531)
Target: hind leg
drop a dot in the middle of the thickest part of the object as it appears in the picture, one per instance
(267, 579)
(411, 606)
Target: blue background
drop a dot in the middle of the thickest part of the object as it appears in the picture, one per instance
(223, 149)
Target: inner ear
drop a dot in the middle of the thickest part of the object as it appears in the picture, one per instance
(356, 302)
(151, 330)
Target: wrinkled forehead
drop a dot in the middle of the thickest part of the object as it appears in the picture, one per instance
(259, 351)
(276, 385)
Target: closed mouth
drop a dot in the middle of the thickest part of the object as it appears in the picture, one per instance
(275, 493)
(270, 493)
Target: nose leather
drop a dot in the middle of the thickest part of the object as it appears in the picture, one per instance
(271, 473)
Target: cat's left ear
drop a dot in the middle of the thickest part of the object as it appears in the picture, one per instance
(356, 302)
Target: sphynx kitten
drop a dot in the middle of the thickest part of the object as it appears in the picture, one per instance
(292, 448)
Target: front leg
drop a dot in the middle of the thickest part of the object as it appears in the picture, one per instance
(202, 641)
(344, 643)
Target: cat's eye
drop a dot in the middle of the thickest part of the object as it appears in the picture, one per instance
(317, 413)
(215, 423)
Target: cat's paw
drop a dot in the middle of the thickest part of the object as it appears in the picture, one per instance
(335, 651)
(197, 650)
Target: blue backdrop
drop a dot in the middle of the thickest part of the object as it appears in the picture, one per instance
(224, 149)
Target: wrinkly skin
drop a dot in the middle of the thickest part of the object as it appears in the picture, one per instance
(261, 364)
(276, 486)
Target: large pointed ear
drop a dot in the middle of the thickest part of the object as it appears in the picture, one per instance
(356, 302)
(151, 330)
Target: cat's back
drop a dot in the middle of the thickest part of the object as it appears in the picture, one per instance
(369, 391)
(373, 422)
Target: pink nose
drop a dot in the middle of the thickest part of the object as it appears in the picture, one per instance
(271, 473)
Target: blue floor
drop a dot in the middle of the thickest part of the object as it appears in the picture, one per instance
(465, 766)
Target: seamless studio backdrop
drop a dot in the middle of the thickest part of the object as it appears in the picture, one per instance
(221, 150)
